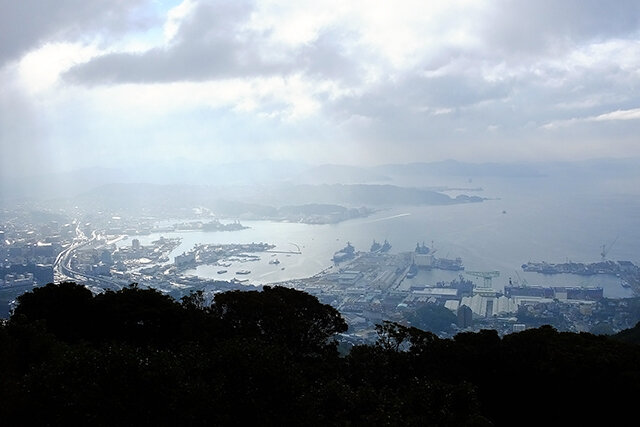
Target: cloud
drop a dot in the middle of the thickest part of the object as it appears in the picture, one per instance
(334, 81)
(210, 42)
(521, 28)
(633, 114)
(612, 116)
(28, 23)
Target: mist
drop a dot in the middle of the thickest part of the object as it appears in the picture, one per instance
(421, 172)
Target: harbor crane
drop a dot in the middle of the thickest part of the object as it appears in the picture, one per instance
(486, 275)
(605, 249)
(521, 282)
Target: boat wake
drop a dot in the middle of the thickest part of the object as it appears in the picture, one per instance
(387, 218)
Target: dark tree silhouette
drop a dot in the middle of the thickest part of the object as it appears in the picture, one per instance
(432, 317)
(138, 357)
(286, 316)
(65, 309)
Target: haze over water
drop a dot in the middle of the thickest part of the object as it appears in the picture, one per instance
(543, 220)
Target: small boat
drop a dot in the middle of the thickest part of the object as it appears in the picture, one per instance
(274, 261)
(243, 272)
(222, 271)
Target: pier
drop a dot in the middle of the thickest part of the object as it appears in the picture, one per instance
(298, 252)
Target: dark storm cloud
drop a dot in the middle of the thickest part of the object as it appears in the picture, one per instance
(25, 24)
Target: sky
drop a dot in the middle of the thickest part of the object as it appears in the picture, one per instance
(116, 82)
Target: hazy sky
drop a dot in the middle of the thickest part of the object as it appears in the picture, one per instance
(350, 82)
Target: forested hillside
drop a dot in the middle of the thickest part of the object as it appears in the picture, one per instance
(138, 357)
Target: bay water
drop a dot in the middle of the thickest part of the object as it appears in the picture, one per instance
(525, 219)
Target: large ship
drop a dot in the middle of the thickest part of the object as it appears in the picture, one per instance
(424, 258)
(385, 246)
(344, 254)
(422, 249)
(448, 264)
(375, 246)
(604, 267)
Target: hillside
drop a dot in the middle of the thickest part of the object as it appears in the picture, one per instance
(138, 357)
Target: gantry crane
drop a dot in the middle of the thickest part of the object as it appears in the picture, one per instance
(486, 275)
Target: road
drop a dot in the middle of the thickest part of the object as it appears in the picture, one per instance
(62, 266)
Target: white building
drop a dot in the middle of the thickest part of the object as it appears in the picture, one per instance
(487, 305)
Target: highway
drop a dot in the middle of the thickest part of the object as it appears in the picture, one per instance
(62, 266)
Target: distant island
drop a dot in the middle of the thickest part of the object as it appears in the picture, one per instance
(214, 225)
(313, 204)
(320, 213)
(363, 194)
(312, 213)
